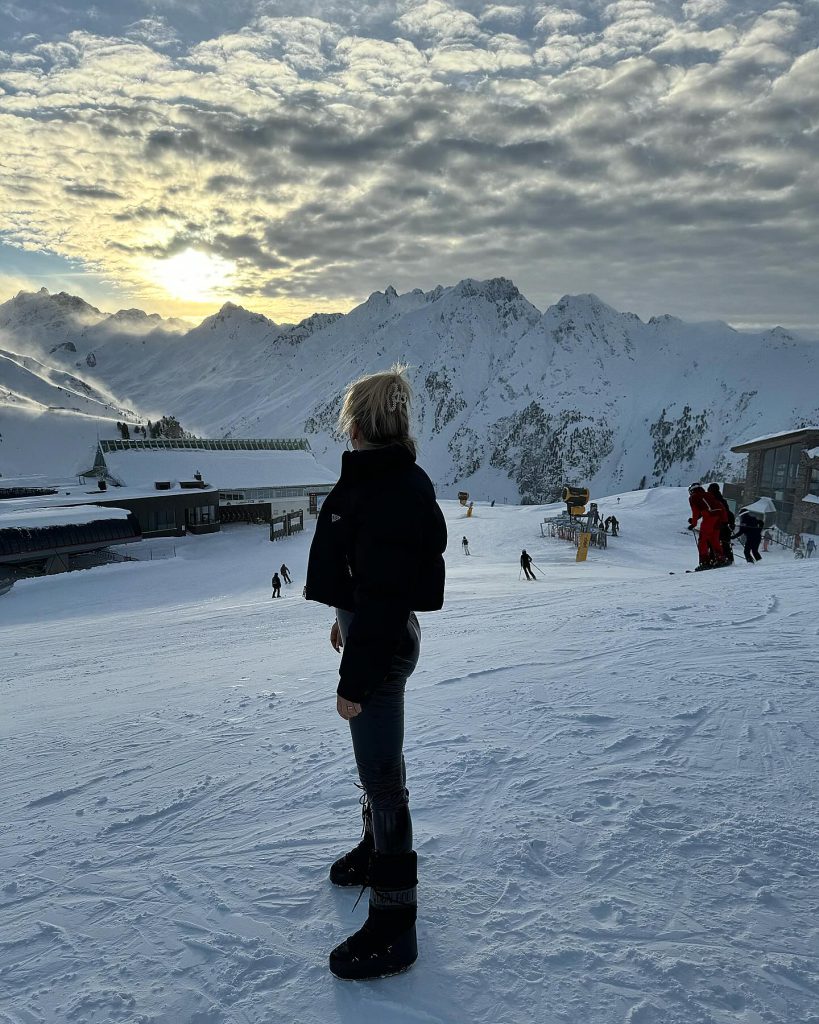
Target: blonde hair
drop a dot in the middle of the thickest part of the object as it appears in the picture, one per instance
(379, 405)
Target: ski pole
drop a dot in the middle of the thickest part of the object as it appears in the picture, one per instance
(542, 573)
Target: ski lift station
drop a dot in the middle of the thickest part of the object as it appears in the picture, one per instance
(785, 468)
(237, 480)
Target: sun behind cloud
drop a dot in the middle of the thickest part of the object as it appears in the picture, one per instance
(193, 276)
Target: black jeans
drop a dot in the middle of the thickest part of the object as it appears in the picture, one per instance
(378, 745)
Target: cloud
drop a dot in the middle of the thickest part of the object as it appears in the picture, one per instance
(320, 147)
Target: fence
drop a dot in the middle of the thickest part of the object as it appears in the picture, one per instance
(565, 527)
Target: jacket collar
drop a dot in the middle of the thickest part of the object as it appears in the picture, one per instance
(373, 462)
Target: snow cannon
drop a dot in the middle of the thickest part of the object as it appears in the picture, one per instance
(463, 497)
(575, 498)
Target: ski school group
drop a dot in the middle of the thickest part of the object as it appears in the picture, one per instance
(717, 523)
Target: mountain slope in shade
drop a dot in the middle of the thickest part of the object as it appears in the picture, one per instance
(511, 402)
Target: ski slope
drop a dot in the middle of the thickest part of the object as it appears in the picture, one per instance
(613, 778)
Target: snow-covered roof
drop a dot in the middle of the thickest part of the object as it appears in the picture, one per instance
(39, 518)
(813, 453)
(812, 498)
(224, 470)
(84, 495)
(781, 435)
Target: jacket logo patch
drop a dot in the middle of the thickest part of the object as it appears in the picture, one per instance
(334, 518)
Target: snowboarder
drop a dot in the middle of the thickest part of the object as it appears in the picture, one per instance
(705, 507)
(752, 528)
(376, 557)
(767, 537)
(526, 563)
(465, 546)
(285, 573)
(277, 585)
(726, 528)
(615, 525)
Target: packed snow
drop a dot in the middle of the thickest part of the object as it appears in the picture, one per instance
(613, 777)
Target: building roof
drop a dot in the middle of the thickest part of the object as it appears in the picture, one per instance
(40, 518)
(78, 494)
(783, 437)
(225, 470)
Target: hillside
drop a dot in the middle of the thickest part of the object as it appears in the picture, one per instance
(512, 401)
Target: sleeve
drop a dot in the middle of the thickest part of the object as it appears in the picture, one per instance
(385, 559)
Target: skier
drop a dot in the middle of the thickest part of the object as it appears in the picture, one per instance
(767, 537)
(810, 547)
(285, 573)
(526, 563)
(277, 585)
(465, 546)
(615, 525)
(607, 524)
(797, 541)
(705, 507)
(377, 558)
(492, 505)
(752, 528)
(727, 528)
(595, 515)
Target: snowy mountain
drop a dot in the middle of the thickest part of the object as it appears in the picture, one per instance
(512, 402)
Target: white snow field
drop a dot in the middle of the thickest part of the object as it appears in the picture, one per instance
(613, 776)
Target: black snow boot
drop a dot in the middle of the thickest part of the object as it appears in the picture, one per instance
(351, 869)
(386, 944)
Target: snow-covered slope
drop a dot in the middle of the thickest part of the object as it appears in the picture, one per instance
(512, 402)
(50, 418)
(613, 778)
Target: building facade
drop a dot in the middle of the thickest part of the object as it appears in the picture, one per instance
(785, 468)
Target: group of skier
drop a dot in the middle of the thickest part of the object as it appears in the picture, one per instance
(718, 526)
(276, 581)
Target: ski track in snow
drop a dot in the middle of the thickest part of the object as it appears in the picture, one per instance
(613, 779)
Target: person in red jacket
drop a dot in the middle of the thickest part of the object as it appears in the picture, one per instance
(711, 514)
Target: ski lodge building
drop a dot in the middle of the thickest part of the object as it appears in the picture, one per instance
(785, 468)
(196, 484)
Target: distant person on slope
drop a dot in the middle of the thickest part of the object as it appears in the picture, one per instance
(376, 557)
(465, 546)
(526, 563)
(751, 527)
(810, 547)
(277, 585)
(615, 525)
(727, 528)
(705, 509)
(285, 573)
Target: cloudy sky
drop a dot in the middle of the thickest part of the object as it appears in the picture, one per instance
(295, 156)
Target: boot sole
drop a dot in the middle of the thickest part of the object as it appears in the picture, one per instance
(372, 977)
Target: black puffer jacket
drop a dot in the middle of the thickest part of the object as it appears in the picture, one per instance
(377, 552)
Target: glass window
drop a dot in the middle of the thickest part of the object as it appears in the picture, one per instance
(814, 481)
(793, 465)
(780, 471)
(767, 468)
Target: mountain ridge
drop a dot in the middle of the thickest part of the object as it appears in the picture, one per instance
(512, 401)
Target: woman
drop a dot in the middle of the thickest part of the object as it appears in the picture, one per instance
(377, 558)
